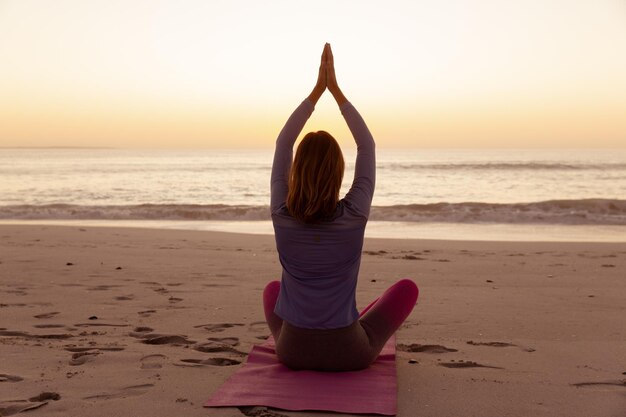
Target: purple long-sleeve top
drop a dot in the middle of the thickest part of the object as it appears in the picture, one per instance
(321, 261)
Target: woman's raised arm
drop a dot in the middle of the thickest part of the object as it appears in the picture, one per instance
(359, 198)
(283, 154)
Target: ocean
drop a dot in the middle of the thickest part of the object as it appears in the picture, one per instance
(451, 194)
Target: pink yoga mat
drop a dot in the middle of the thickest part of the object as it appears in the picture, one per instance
(263, 381)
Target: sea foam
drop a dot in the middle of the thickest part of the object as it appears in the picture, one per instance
(575, 212)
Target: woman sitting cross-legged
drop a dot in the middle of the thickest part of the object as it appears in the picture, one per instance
(312, 311)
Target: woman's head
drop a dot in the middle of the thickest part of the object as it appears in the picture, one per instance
(315, 178)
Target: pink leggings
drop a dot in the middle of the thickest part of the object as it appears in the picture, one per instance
(345, 349)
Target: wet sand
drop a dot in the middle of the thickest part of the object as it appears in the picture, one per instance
(112, 321)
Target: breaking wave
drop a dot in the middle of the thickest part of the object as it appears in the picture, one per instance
(574, 212)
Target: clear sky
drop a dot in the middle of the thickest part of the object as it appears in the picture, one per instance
(227, 74)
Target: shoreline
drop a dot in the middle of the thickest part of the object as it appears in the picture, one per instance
(377, 229)
(149, 322)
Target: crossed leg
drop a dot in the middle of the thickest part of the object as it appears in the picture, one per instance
(386, 314)
(270, 296)
(380, 319)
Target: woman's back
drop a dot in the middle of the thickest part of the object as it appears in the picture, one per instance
(320, 270)
(321, 260)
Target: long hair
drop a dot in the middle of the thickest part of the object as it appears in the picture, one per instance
(315, 178)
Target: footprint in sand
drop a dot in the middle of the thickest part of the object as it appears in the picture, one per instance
(220, 345)
(425, 348)
(95, 324)
(413, 258)
(217, 285)
(8, 408)
(71, 348)
(46, 315)
(80, 358)
(131, 391)
(159, 339)
(210, 361)
(143, 329)
(258, 326)
(45, 396)
(256, 411)
(10, 378)
(14, 333)
(619, 383)
(499, 344)
(103, 287)
(217, 327)
(153, 361)
(154, 339)
(125, 297)
(466, 364)
(375, 253)
(141, 332)
(492, 344)
(146, 313)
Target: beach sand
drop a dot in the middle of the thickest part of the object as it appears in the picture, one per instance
(142, 322)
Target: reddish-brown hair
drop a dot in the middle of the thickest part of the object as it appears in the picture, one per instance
(315, 178)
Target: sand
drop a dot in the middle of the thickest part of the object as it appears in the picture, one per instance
(141, 322)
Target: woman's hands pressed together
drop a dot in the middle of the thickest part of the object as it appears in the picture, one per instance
(320, 85)
(326, 79)
(331, 79)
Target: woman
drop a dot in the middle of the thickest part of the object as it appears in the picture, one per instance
(312, 311)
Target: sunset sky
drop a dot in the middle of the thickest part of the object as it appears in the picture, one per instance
(227, 74)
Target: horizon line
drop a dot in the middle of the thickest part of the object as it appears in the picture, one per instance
(265, 148)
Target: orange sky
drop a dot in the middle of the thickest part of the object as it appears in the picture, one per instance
(198, 74)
